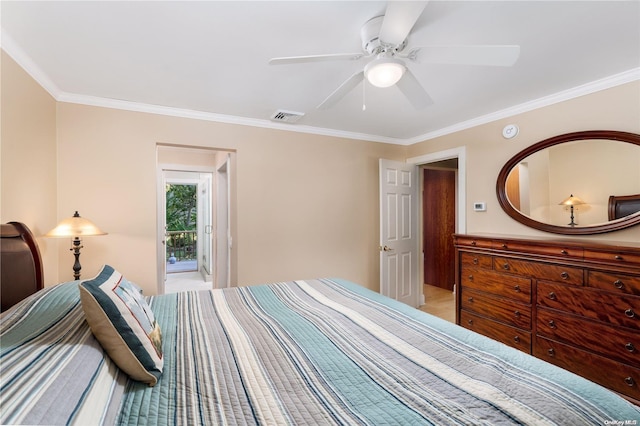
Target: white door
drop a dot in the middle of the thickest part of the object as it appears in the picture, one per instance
(162, 232)
(223, 227)
(204, 221)
(399, 232)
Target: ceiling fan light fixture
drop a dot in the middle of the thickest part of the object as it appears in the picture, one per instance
(384, 71)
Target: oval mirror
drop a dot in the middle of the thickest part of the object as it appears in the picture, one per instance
(574, 184)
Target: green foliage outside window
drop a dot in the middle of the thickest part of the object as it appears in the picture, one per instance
(181, 217)
(181, 207)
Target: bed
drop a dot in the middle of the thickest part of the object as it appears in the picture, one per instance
(623, 205)
(318, 351)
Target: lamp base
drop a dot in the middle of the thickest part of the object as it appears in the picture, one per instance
(77, 245)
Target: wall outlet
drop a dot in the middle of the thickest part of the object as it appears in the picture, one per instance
(480, 207)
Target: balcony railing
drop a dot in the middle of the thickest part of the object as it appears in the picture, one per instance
(181, 245)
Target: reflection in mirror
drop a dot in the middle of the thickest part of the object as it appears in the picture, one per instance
(590, 171)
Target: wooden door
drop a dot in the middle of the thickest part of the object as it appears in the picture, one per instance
(439, 225)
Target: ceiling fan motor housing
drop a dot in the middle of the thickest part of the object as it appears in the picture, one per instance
(370, 35)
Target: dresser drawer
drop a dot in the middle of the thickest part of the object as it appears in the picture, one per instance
(616, 257)
(595, 304)
(566, 274)
(622, 283)
(614, 375)
(547, 250)
(614, 342)
(476, 260)
(510, 286)
(501, 309)
(506, 334)
(472, 242)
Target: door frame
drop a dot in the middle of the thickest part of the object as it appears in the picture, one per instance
(223, 240)
(161, 180)
(461, 196)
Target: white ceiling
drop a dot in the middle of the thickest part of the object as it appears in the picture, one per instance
(210, 59)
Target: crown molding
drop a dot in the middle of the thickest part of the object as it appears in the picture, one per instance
(11, 48)
(18, 55)
(582, 90)
(220, 118)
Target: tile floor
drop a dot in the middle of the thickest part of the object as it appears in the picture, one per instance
(185, 281)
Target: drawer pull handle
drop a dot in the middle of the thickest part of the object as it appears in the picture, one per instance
(504, 246)
(551, 352)
(629, 346)
(629, 381)
(470, 277)
(516, 339)
(470, 299)
(517, 288)
(470, 322)
(563, 252)
(473, 243)
(619, 284)
(617, 257)
(517, 314)
(475, 260)
(506, 266)
(629, 313)
(552, 296)
(564, 275)
(552, 324)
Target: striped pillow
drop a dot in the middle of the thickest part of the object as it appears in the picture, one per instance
(124, 324)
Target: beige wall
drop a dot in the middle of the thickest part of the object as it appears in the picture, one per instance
(307, 205)
(487, 151)
(28, 159)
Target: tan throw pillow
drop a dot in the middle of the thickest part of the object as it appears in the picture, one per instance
(122, 321)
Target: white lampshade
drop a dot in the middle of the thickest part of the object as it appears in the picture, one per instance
(75, 226)
(572, 201)
(384, 71)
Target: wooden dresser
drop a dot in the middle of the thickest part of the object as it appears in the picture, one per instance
(573, 303)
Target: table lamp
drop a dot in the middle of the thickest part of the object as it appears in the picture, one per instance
(75, 227)
(572, 201)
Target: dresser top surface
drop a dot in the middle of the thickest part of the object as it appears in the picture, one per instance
(554, 240)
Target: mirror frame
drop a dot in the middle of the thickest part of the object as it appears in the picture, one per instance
(501, 192)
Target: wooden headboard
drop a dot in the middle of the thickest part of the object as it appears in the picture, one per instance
(20, 264)
(623, 205)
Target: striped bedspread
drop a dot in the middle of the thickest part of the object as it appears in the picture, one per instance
(311, 352)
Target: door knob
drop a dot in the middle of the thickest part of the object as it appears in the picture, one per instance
(386, 248)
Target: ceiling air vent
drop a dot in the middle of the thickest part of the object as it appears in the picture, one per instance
(283, 116)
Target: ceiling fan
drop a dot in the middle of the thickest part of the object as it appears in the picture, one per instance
(385, 38)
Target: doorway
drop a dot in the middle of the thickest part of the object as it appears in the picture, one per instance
(181, 234)
(441, 201)
(187, 226)
(439, 223)
(210, 172)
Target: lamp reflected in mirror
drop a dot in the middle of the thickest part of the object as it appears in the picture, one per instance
(572, 201)
(75, 227)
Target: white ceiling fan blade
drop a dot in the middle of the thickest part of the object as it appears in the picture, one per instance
(399, 19)
(414, 91)
(488, 55)
(315, 58)
(341, 91)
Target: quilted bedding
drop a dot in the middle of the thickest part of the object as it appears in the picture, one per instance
(305, 352)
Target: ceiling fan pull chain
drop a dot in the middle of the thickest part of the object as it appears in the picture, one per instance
(364, 105)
